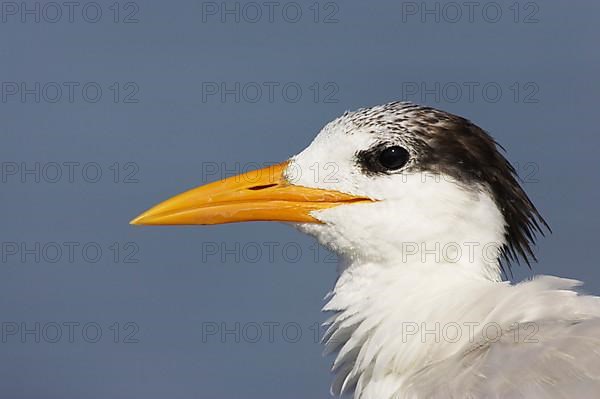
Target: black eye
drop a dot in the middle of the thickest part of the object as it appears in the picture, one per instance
(393, 158)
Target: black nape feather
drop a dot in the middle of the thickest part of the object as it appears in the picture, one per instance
(443, 143)
(470, 155)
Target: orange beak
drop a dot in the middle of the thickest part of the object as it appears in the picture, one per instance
(259, 195)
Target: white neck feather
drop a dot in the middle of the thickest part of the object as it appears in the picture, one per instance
(383, 313)
(425, 271)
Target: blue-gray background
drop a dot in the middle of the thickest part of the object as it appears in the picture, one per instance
(164, 137)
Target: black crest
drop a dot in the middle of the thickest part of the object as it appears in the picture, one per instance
(449, 144)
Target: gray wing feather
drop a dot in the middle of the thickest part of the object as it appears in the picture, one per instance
(545, 359)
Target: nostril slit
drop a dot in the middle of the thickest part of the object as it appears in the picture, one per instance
(255, 188)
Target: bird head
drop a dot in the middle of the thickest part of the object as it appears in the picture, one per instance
(378, 183)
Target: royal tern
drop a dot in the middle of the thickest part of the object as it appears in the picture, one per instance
(425, 212)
